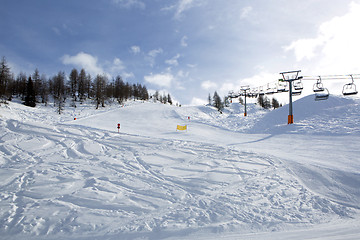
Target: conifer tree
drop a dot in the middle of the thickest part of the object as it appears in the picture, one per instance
(82, 85)
(58, 83)
(169, 99)
(275, 104)
(44, 93)
(37, 83)
(5, 78)
(217, 102)
(30, 99)
(100, 90)
(264, 102)
(73, 84)
(21, 81)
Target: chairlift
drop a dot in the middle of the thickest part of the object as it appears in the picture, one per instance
(349, 88)
(233, 95)
(255, 92)
(271, 90)
(261, 91)
(298, 85)
(318, 86)
(282, 87)
(296, 92)
(322, 95)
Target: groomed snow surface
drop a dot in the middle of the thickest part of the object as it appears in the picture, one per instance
(226, 177)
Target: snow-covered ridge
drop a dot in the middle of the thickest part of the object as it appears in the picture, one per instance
(227, 176)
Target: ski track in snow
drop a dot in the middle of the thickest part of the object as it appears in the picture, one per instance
(71, 181)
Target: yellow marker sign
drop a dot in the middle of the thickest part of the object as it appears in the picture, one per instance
(181, 128)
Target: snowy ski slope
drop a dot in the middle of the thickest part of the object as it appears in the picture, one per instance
(226, 177)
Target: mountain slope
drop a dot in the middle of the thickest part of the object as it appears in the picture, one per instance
(81, 179)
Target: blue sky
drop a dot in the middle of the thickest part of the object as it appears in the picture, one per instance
(188, 48)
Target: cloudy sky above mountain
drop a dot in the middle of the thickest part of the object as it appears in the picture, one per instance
(189, 48)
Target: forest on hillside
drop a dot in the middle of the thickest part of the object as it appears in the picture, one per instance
(77, 87)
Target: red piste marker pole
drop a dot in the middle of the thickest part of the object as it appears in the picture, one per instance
(118, 127)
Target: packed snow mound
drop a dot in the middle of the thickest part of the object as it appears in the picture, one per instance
(337, 115)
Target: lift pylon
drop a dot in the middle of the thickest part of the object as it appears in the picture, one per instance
(290, 77)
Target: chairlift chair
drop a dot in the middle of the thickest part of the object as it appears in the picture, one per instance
(318, 86)
(261, 91)
(298, 85)
(282, 87)
(296, 92)
(271, 90)
(349, 88)
(322, 95)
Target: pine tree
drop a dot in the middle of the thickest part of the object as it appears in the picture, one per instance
(226, 101)
(267, 103)
(275, 104)
(241, 100)
(21, 80)
(156, 96)
(37, 83)
(5, 78)
(30, 99)
(82, 85)
(100, 90)
(260, 100)
(264, 102)
(169, 99)
(119, 89)
(73, 84)
(58, 88)
(88, 84)
(164, 99)
(44, 93)
(217, 102)
(144, 93)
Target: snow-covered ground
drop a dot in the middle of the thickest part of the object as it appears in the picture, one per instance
(226, 177)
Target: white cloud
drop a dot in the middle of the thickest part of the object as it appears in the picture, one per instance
(305, 48)
(181, 6)
(183, 41)
(260, 79)
(336, 47)
(182, 74)
(130, 3)
(173, 61)
(117, 65)
(155, 52)
(191, 65)
(83, 60)
(92, 66)
(227, 87)
(126, 75)
(207, 85)
(152, 55)
(198, 101)
(245, 12)
(162, 79)
(57, 31)
(135, 49)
